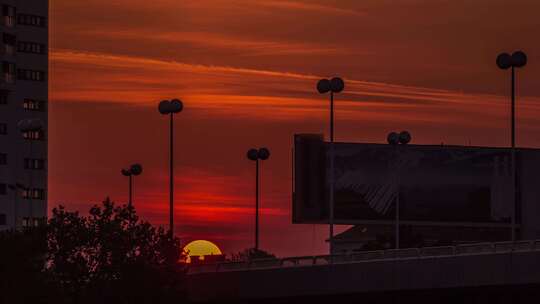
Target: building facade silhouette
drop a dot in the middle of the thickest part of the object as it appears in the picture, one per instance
(23, 97)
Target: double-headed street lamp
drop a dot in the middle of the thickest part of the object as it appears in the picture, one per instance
(395, 139)
(256, 155)
(134, 170)
(505, 61)
(171, 107)
(334, 85)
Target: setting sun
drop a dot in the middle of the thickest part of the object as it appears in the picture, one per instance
(201, 248)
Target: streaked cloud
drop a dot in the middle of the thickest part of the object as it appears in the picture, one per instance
(304, 6)
(225, 88)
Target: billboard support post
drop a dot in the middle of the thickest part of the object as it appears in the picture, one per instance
(514, 188)
(394, 139)
(397, 209)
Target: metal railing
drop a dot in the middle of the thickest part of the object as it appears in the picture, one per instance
(357, 257)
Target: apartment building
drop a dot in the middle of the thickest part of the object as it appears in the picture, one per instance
(23, 112)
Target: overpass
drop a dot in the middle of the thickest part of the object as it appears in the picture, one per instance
(506, 272)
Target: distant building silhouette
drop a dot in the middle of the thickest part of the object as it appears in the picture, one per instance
(23, 96)
(208, 259)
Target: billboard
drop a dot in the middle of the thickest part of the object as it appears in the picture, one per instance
(436, 184)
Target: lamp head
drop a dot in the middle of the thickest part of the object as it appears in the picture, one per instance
(393, 138)
(136, 169)
(323, 86)
(176, 106)
(253, 154)
(519, 59)
(264, 154)
(404, 137)
(126, 172)
(337, 84)
(504, 61)
(164, 107)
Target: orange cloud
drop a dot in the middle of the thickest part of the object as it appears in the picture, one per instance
(305, 6)
(243, 46)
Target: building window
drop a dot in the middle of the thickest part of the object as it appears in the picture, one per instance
(2, 219)
(34, 163)
(32, 75)
(32, 20)
(3, 189)
(9, 43)
(31, 47)
(4, 94)
(35, 221)
(3, 159)
(34, 135)
(34, 105)
(8, 69)
(3, 128)
(9, 13)
(36, 193)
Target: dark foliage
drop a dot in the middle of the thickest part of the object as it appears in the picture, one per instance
(22, 257)
(109, 256)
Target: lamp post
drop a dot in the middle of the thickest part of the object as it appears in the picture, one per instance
(30, 129)
(505, 61)
(256, 155)
(170, 108)
(134, 170)
(395, 139)
(334, 85)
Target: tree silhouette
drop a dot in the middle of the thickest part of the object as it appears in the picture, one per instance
(112, 256)
(109, 256)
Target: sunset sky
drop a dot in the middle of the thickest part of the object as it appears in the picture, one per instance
(246, 71)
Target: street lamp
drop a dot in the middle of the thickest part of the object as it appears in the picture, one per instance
(256, 155)
(171, 107)
(334, 85)
(134, 170)
(395, 139)
(505, 61)
(30, 129)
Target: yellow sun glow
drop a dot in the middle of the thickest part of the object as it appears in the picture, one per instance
(201, 248)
